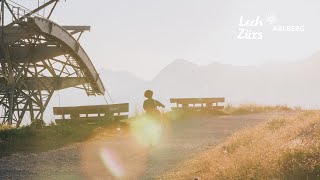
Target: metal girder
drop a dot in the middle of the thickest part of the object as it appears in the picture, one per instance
(22, 54)
(31, 12)
(77, 28)
(54, 31)
(48, 83)
(15, 33)
(38, 57)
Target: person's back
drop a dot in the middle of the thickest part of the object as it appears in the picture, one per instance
(150, 105)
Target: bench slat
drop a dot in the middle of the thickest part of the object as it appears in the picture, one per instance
(91, 119)
(197, 108)
(99, 109)
(196, 100)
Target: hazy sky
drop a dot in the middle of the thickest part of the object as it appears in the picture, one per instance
(143, 36)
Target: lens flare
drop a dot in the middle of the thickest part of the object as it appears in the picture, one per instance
(111, 163)
(147, 131)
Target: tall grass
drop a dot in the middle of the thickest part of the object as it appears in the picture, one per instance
(282, 148)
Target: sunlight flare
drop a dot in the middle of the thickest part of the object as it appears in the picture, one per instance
(147, 131)
(111, 163)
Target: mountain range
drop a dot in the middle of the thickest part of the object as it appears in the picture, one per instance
(294, 84)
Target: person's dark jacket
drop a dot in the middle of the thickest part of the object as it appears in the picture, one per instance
(150, 105)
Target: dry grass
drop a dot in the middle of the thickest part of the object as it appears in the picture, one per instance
(4, 127)
(230, 109)
(254, 108)
(283, 148)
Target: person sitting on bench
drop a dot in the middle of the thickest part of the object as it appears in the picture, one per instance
(150, 105)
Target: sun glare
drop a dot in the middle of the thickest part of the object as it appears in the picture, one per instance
(147, 131)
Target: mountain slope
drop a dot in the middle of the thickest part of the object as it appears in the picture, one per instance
(286, 147)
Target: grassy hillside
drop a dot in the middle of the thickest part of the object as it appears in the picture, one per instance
(230, 109)
(287, 147)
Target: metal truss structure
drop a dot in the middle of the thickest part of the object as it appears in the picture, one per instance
(38, 57)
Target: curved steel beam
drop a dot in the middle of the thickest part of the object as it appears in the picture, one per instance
(52, 30)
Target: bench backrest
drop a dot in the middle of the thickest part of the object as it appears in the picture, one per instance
(112, 108)
(197, 100)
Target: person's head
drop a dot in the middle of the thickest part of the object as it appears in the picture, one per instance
(148, 94)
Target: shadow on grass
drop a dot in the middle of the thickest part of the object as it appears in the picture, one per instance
(31, 139)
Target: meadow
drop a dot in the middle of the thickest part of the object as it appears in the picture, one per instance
(286, 147)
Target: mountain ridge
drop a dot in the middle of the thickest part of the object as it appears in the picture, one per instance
(294, 84)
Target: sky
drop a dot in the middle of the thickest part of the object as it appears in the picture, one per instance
(143, 36)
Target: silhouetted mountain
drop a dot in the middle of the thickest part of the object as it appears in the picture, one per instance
(290, 83)
(294, 83)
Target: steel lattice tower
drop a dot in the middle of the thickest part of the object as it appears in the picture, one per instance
(38, 57)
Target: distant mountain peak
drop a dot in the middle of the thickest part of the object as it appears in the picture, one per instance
(178, 64)
(182, 62)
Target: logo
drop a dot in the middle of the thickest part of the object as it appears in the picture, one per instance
(271, 18)
(252, 28)
(247, 26)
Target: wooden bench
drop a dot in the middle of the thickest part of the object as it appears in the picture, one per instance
(90, 113)
(197, 104)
